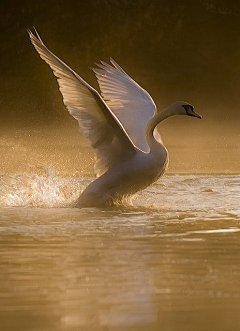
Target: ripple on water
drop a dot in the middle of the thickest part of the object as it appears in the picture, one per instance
(170, 261)
(185, 196)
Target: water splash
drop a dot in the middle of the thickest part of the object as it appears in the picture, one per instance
(175, 194)
(47, 190)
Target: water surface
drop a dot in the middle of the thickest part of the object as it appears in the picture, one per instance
(169, 262)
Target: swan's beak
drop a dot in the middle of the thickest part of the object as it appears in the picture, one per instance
(190, 112)
(194, 114)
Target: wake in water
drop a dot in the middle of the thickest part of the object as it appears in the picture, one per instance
(183, 193)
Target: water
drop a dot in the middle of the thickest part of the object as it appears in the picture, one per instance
(169, 262)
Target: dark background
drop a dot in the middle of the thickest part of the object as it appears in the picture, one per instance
(177, 50)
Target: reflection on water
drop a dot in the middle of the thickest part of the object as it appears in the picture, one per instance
(170, 262)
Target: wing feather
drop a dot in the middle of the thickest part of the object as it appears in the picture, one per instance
(133, 105)
(96, 120)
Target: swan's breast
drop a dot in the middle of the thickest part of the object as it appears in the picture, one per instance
(139, 171)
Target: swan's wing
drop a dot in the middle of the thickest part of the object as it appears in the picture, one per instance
(130, 102)
(97, 123)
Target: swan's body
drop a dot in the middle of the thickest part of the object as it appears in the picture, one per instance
(120, 126)
(125, 179)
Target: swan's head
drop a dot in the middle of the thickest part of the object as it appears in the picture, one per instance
(184, 108)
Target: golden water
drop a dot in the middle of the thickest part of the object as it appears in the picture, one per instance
(170, 262)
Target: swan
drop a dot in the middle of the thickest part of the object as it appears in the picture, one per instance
(120, 125)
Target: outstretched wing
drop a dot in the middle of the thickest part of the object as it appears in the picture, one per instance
(97, 122)
(132, 105)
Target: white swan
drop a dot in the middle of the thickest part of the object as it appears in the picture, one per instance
(120, 126)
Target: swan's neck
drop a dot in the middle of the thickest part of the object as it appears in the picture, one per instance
(154, 121)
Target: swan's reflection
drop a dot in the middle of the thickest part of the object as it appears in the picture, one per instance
(110, 287)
